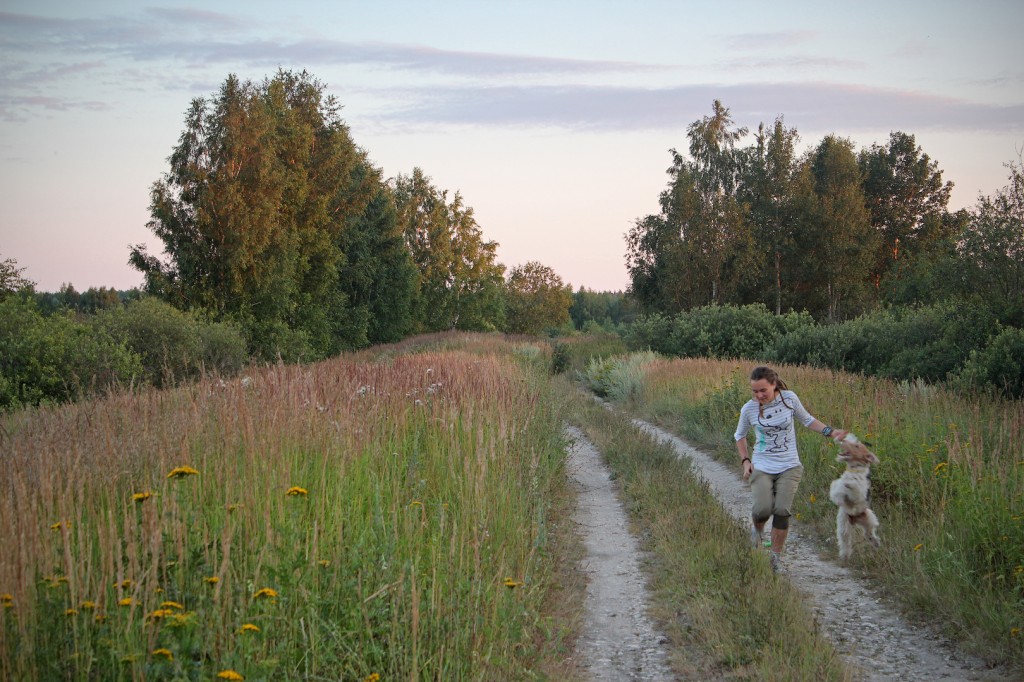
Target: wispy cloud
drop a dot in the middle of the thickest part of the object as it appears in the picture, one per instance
(15, 109)
(811, 106)
(220, 39)
(196, 17)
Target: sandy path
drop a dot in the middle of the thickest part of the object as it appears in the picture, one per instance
(867, 632)
(618, 641)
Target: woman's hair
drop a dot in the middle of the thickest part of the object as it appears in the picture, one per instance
(769, 375)
(772, 377)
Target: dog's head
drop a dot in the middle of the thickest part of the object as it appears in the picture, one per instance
(852, 451)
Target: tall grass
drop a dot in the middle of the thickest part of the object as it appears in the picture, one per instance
(376, 514)
(949, 489)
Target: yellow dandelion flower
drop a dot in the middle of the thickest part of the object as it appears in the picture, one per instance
(212, 580)
(100, 618)
(918, 546)
(234, 507)
(1018, 570)
(268, 592)
(415, 503)
(249, 627)
(127, 601)
(70, 612)
(182, 472)
(511, 584)
(229, 675)
(372, 677)
(60, 524)
(940, 466)
(143, 496)
(159, 590)
(171, 605)
(296, 491)
(159, 613)
(179, 620)
(813, 499)
(6, 596)
(324, 562)
(88, 605)
(1014, 632)
(124, 584)
(166, 653)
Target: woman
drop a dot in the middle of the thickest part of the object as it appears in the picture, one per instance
(774, 470)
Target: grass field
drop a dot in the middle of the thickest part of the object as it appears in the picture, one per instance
(402, 513)
(376, 516)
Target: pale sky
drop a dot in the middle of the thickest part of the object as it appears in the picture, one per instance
(552, 118)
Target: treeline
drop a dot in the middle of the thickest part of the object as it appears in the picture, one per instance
(602, 311)
(277, 233)
(835, 231)
(965, 346)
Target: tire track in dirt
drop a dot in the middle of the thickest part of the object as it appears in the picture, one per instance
(618, 641)
(875, 641)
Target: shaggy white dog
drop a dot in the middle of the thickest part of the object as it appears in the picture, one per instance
(851, 492)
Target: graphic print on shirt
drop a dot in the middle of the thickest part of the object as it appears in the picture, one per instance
(773, 430)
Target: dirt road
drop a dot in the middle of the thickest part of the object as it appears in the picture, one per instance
(618, 641)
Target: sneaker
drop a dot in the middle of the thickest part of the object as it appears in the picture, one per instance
(755, 538)
(777, 566)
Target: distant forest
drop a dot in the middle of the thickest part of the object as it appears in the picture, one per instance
(835, 231)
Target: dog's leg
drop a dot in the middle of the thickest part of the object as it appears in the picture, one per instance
(843, 533)
(871, 527)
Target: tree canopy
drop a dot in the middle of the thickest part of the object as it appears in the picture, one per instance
(460, 279)
(266, 190)
(832, 231)
(536, 299)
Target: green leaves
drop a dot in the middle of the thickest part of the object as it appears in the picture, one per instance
(536, 299)
(262, 188)
(460, 280)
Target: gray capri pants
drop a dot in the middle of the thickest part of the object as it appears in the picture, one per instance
(773, 495)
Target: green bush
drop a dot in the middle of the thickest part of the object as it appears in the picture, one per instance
(619, 378)
(715, 331)
(223, 348)
(49, 359)
(928, 343)
(167, 339)
(999, 366)
(650, 332)
(561, 357)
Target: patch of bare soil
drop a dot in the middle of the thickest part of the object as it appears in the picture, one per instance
(871, 635)
(617, 641)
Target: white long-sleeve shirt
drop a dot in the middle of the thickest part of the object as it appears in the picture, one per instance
(774, 431)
